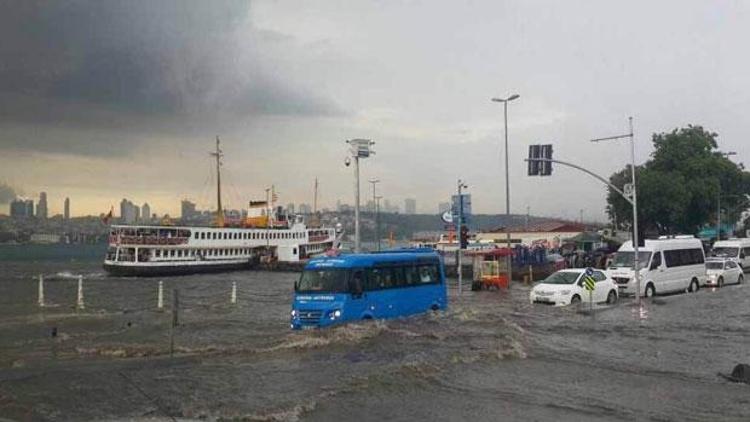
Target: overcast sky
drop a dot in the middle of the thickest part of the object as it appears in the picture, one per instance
(101, 100)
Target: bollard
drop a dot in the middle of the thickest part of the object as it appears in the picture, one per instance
(233, 298)
(40, 298)
(160, 296)
(175, 319)
(79, 302)
(531, 274)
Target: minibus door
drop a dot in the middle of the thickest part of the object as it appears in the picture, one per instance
(357, 305)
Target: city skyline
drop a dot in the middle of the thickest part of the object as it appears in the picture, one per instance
(267, 77)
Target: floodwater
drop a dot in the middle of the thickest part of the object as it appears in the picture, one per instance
(492, 356)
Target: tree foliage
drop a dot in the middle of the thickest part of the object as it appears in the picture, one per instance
(678, 188)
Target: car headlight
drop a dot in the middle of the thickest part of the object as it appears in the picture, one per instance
(294, 313)
(565, 292)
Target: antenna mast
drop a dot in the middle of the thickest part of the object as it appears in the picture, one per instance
(315, 199)
(219, 211)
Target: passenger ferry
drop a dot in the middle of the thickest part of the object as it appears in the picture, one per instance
(165, 250)
(267, 233)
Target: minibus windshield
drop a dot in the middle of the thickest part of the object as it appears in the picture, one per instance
(726, 252)
(324, 281)
(625, 259)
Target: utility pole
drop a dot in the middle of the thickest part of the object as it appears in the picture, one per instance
(377, 219)
(459, 235)
(315, 198)
(219, 211)
(374, 182)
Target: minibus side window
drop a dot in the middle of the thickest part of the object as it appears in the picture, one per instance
(656, 261)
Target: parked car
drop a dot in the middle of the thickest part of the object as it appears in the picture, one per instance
(721, 271)
(565, 287)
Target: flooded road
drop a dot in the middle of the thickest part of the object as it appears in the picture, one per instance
(491, 356)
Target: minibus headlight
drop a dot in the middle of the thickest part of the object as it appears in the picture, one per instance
(336, 314)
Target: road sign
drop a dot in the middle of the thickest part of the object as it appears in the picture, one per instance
(447, 217)
(589, 271)
(628, 190)
(589, 283)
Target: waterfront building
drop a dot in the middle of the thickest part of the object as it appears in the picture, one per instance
(145, 212)
(22, 208)
(128, 211)
(188, 210)
(41, 207)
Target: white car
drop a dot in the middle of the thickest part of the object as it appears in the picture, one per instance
(565, 287)
(721, 271)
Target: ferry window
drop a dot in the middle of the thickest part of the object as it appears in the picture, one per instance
(196, 235)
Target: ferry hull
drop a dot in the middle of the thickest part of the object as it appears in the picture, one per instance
(179, 269)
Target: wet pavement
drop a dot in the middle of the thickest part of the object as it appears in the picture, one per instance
(491, 356)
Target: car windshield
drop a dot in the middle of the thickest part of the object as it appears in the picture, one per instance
(562, 277)
(625, 259)
(726, 252)
(715, 265)
(319, 281)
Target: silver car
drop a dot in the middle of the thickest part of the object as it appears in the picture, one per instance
(721, 271)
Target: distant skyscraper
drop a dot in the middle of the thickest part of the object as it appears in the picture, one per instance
(41, 208)
(66, 209)
(188, 210)
(146, 212)
(128, 211)
(21, 208)
(290, 208)
(410, 206)
(137, 212)
(305, 209)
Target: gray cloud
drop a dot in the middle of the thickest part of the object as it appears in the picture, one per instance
(105, 64)
(7, 193)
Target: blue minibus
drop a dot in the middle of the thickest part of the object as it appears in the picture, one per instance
(389, 284)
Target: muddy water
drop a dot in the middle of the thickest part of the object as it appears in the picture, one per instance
(491, 356)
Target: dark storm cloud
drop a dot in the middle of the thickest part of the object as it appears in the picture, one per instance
(72, 63)
(7, 193)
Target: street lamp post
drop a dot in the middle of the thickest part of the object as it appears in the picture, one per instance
(505, 102)
(375, 201)
(359, 148)
(718, 201)
(634, 202)
(459, 235)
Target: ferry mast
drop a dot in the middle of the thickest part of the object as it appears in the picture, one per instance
(219, 211)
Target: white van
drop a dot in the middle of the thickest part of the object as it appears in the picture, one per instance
(667, 264)
(738, 250)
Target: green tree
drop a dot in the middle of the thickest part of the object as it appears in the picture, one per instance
(679, 187)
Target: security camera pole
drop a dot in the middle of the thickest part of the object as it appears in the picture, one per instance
(359, 148)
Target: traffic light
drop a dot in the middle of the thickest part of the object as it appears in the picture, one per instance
(464, 237)
(534, 154)
(545, 167)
